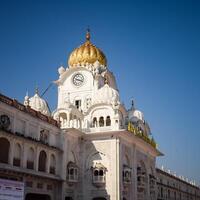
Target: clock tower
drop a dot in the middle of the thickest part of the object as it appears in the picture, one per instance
(85, 85)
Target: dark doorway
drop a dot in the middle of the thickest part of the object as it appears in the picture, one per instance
(42, 161)
(68, 198)
(37, 197)
(4, 149)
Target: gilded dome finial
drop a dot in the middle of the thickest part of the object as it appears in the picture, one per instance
(87, 53)
(36, 90)
(132, 104)
(88, 34)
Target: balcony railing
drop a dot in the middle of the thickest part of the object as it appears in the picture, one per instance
(99, 179)
(73, 178)
(127, 180)
(131, 128)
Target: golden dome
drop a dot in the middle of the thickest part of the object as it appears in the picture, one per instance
(87, 53)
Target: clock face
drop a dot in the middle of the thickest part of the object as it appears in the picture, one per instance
(78, 79)
(4, 121)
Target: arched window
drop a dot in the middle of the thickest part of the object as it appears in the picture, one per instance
(17, 155)
(94, 122)
(126, 174)
(99, 175)
(30, 159)
(4, 150)
(52, 169)
(72, 172)
(96, 172)
(101, 121)
(42, 161)
(108, 121)
(101, 172)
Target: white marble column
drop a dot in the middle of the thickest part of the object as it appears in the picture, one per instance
(48, 163)
(11, 152)
(68, 119)
(37, 153)
(24, 155)
(72, 121)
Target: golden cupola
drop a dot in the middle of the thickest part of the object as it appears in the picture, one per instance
(87, 53)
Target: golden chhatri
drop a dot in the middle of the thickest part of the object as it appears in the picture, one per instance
(87, 53)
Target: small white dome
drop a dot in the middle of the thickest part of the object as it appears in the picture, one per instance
(138, 114)
(39, 104)
(26, 100)
(61, 70)
(135, 115)
(106, 94)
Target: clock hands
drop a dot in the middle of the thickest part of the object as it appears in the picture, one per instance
(77, 79)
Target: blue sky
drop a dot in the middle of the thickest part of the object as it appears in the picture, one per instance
(153, 48)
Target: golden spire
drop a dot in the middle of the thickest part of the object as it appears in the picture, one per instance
(88, 34)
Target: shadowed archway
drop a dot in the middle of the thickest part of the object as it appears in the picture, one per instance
(32, 196)
(68, 198)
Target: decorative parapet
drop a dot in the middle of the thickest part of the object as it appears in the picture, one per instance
(131, 128)
(28, 109)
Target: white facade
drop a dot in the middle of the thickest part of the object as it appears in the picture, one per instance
(94, 148)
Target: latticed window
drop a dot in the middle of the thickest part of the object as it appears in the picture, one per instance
(141, 181)
(126, 174)
(99, 174)
(72, 172)
(152, 185)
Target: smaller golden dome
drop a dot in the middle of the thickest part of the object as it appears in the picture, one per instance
(87, 53)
